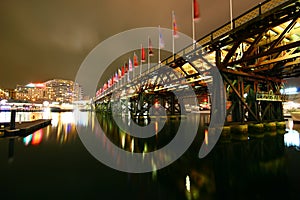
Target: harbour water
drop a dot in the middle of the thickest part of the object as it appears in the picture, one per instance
(52, 163)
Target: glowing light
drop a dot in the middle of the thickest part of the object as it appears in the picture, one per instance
(292, 90)
(3, 101)
(154, 170)
(156, 126)
(37, 137)
(27, 140)
(31, 85)
(291, 124)
(40, 85)
(187, 183)
(46, 103)
(132, 145)
(291, 139)
(123, 141)
(145, 148)
(206, 136)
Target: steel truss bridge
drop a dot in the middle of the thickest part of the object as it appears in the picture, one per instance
(254, 55)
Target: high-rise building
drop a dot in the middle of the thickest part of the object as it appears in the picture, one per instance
(11, 93)
(34, 92)
(56, 90)
(64, 91)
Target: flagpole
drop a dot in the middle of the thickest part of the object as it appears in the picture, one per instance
(133, 68)
(148, 53)
(159, 44)
(193, 24)
(231, 15)
(141, 59)
(173, 38)
(128, 72)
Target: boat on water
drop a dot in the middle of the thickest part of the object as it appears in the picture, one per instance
(57, 109)
(296, 116)
(61, 108)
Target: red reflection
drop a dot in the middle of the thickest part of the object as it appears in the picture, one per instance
(156, 104)
(37, 137)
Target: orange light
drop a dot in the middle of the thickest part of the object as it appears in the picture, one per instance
(206, 136)
(40, 85)
(37, 137)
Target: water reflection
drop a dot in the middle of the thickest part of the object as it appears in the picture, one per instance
(292, 138)
(255, 169)
(236, 170)
(62, 127)
(23, 116)
(11, 150)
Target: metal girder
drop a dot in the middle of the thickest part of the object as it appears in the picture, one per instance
(267, 53)
(282, 35)
(261, 77)
(239, 96)
(253, 46)
(273, 61)
(230, 54)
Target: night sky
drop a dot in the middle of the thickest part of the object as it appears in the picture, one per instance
(42, 40)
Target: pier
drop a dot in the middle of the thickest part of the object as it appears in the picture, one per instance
(23, 129)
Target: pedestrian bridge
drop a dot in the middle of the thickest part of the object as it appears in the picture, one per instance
(254, 55)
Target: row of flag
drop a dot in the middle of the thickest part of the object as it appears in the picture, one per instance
(126, 68)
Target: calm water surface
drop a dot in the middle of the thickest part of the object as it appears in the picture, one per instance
(52, 163)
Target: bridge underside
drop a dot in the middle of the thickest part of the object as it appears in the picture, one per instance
(255, 59)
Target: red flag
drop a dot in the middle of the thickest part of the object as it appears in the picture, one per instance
(196, 11)
(123, 71)
(135, 60)
(126, 68)
(175, 29)
(150, 48)
(143, 58)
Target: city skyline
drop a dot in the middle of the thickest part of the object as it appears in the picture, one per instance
(46, 40)
(54, 90)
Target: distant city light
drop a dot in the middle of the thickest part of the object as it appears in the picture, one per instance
(27, 140)
(37, 137)
(292, 90)
(291, 139)
(187, 183)
(40, 85)
(30, 85)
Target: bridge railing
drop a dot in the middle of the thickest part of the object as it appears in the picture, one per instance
(237, 22)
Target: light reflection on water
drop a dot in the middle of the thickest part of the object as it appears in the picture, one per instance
(292, 137)
(255, 169)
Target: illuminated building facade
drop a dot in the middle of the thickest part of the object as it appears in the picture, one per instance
(3, 94)
(34, 92)
(11, 93)
(64, 91)
(56, 90)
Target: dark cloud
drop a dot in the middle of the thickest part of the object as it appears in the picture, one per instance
(41, 40)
